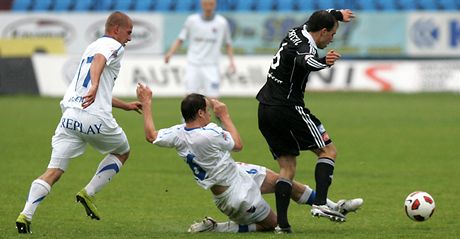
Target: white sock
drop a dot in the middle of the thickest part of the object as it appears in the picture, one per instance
(305, 198)
(38, 191)
(231, 226)
(108, 167)
(309, 195)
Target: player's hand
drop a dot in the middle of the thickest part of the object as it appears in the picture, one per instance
(144, 93)
(90, 97)
(231, 68)
(347, 15)
(167, 58)
(331, 57)
(135, 105)
(219, 108)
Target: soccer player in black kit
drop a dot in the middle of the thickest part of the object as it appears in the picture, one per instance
(287, 125)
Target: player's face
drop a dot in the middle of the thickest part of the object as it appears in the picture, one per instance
(327, 36)
(124, 33)
(208, 6)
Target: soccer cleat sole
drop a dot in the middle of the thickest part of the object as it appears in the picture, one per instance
(330, 217)
(87, 209)
(23, 228)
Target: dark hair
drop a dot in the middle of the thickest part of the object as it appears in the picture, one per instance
(319, 20)
(190, 106)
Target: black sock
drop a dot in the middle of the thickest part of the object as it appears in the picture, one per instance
(323, 176)
(283, 189)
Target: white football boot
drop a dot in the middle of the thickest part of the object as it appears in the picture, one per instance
(346, 206)
(327, 212)
(206, 225)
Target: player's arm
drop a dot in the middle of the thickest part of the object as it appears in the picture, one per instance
(221, 112)
(96, 68)
(135, 105)
(174, 47)
(343, 15)
(231, 58)
(144, 95)
(313, 63)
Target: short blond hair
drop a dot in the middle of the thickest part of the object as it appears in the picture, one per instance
(117, 18)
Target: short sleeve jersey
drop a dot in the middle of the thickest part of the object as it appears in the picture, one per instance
(205, 38)
(206, 150)
(113, 51)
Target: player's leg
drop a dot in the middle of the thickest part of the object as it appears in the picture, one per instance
(66, 145)
(324, 171)
(311, 135)
(193, 82)
(301, 193)
(211, 81)
(39, 189)
(275, 124)
(111, 139)
(283, 190)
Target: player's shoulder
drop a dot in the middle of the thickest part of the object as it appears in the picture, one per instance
(213, 128)
(194, 17)
(107, 43)
(220, 18)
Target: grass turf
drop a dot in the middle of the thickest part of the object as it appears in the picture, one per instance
(389, 145)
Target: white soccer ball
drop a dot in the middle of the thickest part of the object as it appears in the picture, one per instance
(419, 206)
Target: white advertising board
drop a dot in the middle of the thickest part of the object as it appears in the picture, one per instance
(54, 73)
(80, 29)
(433, 34)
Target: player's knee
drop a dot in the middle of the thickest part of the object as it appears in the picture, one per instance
(330, 151)
(123, 157)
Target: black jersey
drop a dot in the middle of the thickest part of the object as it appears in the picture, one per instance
(288, 73)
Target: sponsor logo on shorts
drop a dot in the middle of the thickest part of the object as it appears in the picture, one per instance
(78, 126)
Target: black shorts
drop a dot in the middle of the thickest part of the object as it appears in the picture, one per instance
(290, 129)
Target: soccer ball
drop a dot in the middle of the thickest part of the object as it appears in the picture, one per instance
(419, 206)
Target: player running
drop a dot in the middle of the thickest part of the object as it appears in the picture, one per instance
(87, 119)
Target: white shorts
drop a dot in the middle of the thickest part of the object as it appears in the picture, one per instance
(242, 202)
(78, 128)
(203, 80)
(256, 172)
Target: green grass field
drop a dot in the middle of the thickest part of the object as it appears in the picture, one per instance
(389, 145)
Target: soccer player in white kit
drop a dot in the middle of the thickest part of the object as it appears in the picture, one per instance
(236, 187)
(87, 119)
(206, 33)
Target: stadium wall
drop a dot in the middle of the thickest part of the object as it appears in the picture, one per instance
(383, 35)
(410, 52)
(17, 76)
(54, 73)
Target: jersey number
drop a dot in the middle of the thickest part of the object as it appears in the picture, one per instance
(89, 59)
(199, 173)
(277, 57)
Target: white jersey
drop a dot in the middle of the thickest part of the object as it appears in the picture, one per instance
(206, 150)
(205, 38)
(113, 51)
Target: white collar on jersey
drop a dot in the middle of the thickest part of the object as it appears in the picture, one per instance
(306, 34)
